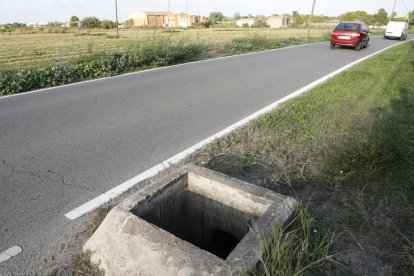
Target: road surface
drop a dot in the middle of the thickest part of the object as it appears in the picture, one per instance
(64, 146)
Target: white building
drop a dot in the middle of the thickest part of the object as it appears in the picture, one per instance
(278, 21)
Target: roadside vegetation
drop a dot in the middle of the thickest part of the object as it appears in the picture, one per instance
(45, 66)
(346, 151)
(148, 54)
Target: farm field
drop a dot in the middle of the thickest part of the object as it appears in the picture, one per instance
(22, 51)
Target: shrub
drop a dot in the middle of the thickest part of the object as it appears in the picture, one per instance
(107, 24)
(150, 53)
(74, 21)
(90, 23)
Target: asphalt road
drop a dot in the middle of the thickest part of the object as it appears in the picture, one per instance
(64, 146)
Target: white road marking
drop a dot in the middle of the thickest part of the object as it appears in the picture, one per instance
(10, 253)
(115, 192)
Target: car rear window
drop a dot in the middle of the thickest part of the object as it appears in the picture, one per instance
(347, 27)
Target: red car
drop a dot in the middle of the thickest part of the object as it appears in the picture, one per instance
(353, 34)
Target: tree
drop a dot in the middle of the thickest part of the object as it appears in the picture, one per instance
(381, 17)
(411, 17)
(16, 25)
(358, 16)
(91, 22)
(74, 21)
(215, 17)
(297, 18)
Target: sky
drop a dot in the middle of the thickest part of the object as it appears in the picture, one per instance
(27, 11)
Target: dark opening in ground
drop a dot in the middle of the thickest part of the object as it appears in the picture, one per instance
(200, 220)
(222, 243)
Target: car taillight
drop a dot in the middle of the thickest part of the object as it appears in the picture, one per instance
(355, 35)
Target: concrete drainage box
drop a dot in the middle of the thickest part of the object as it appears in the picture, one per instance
(193, 222)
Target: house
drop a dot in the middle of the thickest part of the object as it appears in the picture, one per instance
(163, 19)
(278, 21)
(149, 18)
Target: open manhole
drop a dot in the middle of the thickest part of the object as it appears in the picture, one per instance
(194, 221)
(201, 212)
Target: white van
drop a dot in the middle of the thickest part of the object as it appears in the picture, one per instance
(396, 30)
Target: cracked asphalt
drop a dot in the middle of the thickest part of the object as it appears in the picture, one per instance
(64, 146)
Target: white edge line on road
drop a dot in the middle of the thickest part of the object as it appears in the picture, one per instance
(154, 69)
(118, 190)
(10, 253)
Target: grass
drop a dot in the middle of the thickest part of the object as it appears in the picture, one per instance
(299, 249)
(346, 150)
(81, 263)
(19, 51)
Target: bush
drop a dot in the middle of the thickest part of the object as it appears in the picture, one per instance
(259, 43)
(107, 24)
(151, 53)
(74, 21)
(90, 23)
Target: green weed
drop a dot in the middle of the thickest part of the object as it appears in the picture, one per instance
(299, 249)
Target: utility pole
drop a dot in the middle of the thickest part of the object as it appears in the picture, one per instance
(310, 21)
(393, 8)
(188, 17)
(116, 14)
(169, 5)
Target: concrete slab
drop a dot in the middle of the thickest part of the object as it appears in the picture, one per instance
(192, 222)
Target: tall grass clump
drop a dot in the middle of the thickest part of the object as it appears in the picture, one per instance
(152, 52)
(301, 248)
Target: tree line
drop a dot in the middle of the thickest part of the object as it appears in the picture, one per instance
(91, 22)
(380, 18)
